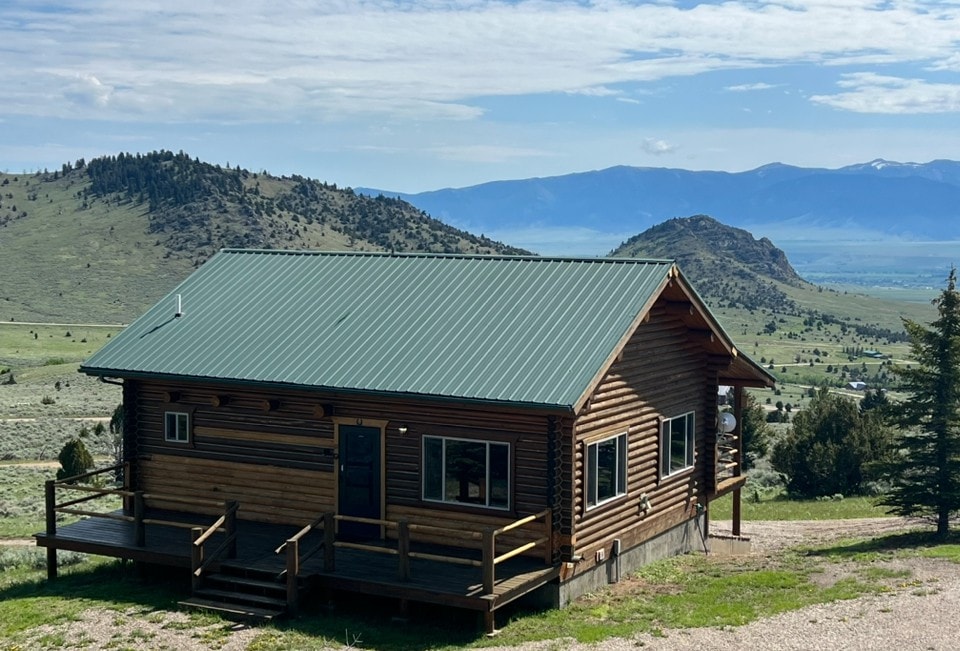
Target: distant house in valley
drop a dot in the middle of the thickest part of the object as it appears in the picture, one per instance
(857, 386)
(464, 430)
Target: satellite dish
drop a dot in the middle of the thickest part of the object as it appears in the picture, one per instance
(727, 422)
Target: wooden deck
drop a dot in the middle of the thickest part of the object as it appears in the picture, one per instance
(356, 571)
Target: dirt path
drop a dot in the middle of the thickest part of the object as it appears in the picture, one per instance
(769, 536)
(99, 419)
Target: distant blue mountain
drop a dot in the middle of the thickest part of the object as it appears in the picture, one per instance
(880, 197)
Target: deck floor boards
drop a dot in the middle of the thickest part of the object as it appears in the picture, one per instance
(355, 570)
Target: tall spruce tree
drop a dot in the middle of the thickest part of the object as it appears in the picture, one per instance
(924, 475)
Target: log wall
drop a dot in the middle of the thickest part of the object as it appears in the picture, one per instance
(662, 373)
(275, 452)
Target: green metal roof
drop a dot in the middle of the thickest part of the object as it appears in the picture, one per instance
(523, 330)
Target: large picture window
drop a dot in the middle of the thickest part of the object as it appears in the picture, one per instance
(463, 471)
(676, 444)
(606, 470)
(176, 427)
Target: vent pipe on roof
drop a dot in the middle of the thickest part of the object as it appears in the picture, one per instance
(179, 312)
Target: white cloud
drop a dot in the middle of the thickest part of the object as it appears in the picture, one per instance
(873, 93)
(750, 87)
(657, 147)
(317, 61)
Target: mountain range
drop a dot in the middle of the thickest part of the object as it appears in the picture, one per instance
(876, 199)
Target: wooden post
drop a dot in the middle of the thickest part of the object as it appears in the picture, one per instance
(139, 528)
(736, 512)
(127, 505)
(50, 497)
(196, 558)
(231, 526)
(489, 623)
(329, 538)
(738, 414)
(548, 532)
(293, 572)
(489, 554)
(403, 549)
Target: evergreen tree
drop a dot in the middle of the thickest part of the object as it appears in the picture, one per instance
(829, 447)
(754, 430)
(74, 459)
(925, 474)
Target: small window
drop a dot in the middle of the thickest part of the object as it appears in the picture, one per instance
(176, 427)
(677, 444)
(464, 471)
(606, 470)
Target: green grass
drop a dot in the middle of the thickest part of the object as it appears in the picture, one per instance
(27, 600)
(22, 506)
(50, 346)
(687, 591)
(778, 507)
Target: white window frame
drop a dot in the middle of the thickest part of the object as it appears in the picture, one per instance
(443, 469)
(667, 434)
(176, 427)
(592, 470)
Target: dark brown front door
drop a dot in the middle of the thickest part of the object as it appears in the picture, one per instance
(360, 481)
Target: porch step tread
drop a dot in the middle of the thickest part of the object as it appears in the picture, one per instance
(233, 610)
(237, 598)
(229, 579)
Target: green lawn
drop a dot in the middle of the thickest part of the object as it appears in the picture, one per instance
(776, 506)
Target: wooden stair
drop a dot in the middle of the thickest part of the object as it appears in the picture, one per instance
(238, 592)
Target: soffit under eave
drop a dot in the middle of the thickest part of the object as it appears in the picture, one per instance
(743, 371)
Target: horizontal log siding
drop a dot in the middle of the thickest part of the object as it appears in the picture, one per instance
(239, 444)
(661, 373)
(266, 493)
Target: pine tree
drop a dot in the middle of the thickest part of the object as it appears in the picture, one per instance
(925, 475)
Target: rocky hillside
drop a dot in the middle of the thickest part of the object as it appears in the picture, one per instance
(101, 240)
(728, 266)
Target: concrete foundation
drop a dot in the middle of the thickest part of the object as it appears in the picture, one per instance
(682, 539)
(729, 545)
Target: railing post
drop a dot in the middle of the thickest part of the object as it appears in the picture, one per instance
(489, 554)
(50, 497)
(139, 529)
(127, 506)
(329, 538)
(231, 526)
(196, 558)
(548, 532)
(403, 549)
(293, 571)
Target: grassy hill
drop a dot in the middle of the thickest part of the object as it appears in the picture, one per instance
(100, 241)
(805, 334)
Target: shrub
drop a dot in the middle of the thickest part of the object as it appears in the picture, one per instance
(47, 400)
(74, 459)
(829, 448)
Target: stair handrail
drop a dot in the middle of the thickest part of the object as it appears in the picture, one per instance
(199, 536)
(294, 558)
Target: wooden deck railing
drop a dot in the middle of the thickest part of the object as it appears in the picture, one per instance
(199, 561)
(226, 523)
(487, 537)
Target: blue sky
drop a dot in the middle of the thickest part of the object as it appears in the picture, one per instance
(413, 96)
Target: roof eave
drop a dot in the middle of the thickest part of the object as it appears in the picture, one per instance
(284, 386)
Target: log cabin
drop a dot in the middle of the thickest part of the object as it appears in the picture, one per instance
(454, 429)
